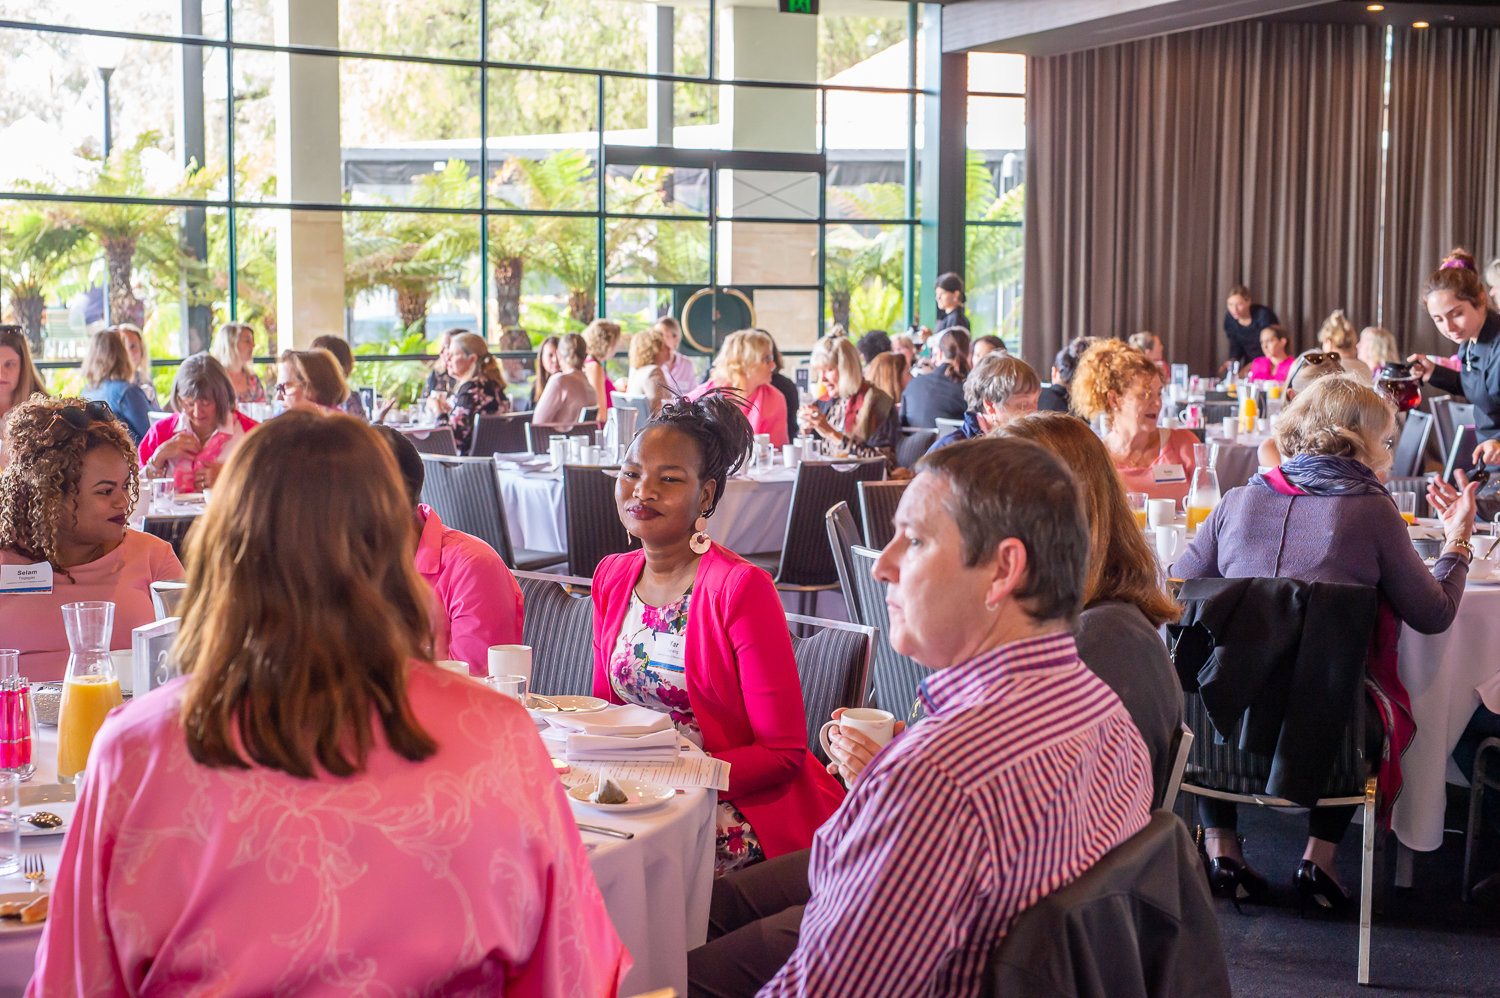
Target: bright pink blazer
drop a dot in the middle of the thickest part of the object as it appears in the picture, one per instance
(766, 410)
(166, 428)
(743, 688)
(478, 601)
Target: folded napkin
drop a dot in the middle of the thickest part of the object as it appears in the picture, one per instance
(659, 746)
(624, 720)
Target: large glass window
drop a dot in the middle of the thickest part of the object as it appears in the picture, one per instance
(994, 195)
(515, 167)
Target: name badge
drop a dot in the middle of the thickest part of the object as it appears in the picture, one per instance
(1167, 473)
(670, 652)
(34, 579)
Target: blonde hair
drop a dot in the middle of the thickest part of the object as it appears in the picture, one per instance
(1385, 344)
(126, 329)
(837, 352)
(601, 335)
(738, 355)
(473, 345)
(1338, 333)
(1107, 366)
(645, 345)
(226, 345)
(107, 359)
(572, 351)
(319, 371)
(1338, 415)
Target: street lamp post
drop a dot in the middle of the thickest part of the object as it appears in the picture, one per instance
(105, 72)
(105, 53)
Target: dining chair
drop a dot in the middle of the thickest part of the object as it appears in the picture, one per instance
(877, 510)
(172, 529)
(640, 403)
(1442, 422)
(589, 414)
(166, 597)
(593, 522)
(1181, 745)
(1462, 414)
(500, 433)
(1460, 452)
(833, 665)
(1214, 413)
(464, 492)
(1411, 483)
(913, 445)
(805, 563)
(437, 440)
(1486, 777)
(894, 677)
(843, 536)
(1140, 921)
(559, 627)
(946, 425)
(1412, 445)
(541, 434)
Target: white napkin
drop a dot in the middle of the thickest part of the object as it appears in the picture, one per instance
(659, 746)
(623, 720)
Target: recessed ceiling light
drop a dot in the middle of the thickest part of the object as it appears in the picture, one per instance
(1419, 24)
(1376, 6)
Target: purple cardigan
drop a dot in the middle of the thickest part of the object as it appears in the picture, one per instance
(1257, 532)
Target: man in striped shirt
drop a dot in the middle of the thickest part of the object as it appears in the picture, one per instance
(1026, 771)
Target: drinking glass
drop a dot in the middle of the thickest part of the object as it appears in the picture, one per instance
(10, 824)
(90, 687)
(1137, 503)
(1406, 505)
(162, 492)
(512, 686)
(15, 717)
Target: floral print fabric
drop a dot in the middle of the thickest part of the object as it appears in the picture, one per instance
(648, 668)
(480, 396)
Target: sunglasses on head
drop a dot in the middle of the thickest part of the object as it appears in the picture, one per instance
(1321, 358)
(80, 416)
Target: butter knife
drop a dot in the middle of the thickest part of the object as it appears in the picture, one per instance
(599, 829)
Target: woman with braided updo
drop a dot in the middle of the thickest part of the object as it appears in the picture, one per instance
(64, 501)
(729, 682)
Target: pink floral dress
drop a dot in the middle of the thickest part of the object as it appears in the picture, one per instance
(648, 668)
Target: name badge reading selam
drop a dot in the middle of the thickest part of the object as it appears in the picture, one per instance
(26, 579)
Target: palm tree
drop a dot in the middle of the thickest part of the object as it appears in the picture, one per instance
(564, 247)
(852, 258)
(993, 255)
(34, 254)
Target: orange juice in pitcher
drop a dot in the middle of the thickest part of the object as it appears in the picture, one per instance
(90, 688)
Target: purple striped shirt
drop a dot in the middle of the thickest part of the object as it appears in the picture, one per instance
(1026, 771)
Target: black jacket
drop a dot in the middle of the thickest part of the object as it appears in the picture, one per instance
(1244, 341)
(931, 395)
(1137, 924)
(1280, 665)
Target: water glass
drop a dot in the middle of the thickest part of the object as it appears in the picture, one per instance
(512, 686)
(10, 824)
(163, 490)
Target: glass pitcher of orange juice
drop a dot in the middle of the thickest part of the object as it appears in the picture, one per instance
(1203, 496)
(90, 688)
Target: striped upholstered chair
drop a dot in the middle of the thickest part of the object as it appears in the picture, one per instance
(834, 667)
(559, 626)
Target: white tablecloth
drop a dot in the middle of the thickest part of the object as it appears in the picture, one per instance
(656, 886)
(751, 517)
(1440, 672)
(1238, 461)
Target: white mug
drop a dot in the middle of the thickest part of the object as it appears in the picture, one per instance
(877, 725)
(1231, 427)
(1161, 512)
(510, 660)
(589, 455)
(1171, 541)
(791, 455)
(557, 451)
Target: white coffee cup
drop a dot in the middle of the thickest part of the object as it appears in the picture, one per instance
(557, 451)
(454, 666)
(124, 662)
(877, 725)
(1481, 569)
(1231, 427)
(589, 455)
(1171, 541)
(510, 660)
(1161, 512)
(791, 455)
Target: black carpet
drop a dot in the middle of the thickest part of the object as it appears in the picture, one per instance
(1425, 941)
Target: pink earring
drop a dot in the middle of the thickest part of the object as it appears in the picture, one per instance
(700, 542)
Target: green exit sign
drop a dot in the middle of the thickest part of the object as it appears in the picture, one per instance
(799, 6)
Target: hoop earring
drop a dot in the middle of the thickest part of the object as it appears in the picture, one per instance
(699, 543)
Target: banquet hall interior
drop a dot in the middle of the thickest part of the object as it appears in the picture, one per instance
(729, 497)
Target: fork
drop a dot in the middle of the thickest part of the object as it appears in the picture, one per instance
(33, 869)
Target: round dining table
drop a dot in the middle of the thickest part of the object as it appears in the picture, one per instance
(656, 885)
(750, 519)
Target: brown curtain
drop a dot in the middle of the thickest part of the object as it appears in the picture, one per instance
(1443, 180)
(1162, 172)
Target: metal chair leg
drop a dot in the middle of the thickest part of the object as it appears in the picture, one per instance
(1471, 835)
(1367, 882)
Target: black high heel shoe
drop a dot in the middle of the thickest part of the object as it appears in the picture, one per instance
(1227, 876)
(1313, 884)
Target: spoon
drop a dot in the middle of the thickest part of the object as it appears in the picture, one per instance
(45, 819)
(555, 706)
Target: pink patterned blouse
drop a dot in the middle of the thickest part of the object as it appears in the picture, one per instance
(460, 875)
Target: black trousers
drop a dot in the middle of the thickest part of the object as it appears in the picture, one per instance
(753, 923)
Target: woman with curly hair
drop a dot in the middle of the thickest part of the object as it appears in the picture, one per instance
(1122, 384)
(64, 502)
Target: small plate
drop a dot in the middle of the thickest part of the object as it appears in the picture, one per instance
(11, 926)
(188, 498)
(582, 705)
(63, 809)
(642, 796)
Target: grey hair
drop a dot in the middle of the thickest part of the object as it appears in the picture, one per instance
(202, 376)
(996, 378)
(1338, 415)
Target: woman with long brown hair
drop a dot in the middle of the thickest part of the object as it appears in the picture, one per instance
(314, 780)
(19, 378)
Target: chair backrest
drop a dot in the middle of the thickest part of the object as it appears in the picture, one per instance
(834, 668)
(590, 414)
(1462, 414)
(1412, 445)
(500, 433)
(1442, 421)
(463, 491)
(912, 446)
(438, 440)
(843, 535)
(877, 510)
(559, 627)
(1461, 452)
(1181, 746)
(895, 677)
(540, 435)
(805, 559)
(166, 597)
(594, 527)
(1138, 922)
(946, 425)
(172, 529)
(1216, 412)
(640, 403)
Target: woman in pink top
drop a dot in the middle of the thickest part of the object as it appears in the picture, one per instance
(746, 363)
(316, 809)
(477, 602)
(1276, 362)
(192, 445)
(568, 392)
(603, 339)
(688, 628)
(1122, 383)
(73, 464)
